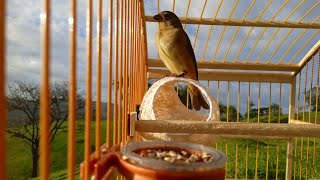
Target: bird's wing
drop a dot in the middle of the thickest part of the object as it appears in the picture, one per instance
(190, 51)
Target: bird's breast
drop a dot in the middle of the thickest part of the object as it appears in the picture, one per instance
(168, 48)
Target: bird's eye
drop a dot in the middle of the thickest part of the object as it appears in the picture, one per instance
(166, 15)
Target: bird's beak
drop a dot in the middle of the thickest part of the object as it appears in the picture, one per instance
(157, 17)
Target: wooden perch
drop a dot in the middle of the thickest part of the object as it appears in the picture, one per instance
(248, 129)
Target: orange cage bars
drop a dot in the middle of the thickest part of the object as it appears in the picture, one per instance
(3, 101)
(126, 77)
(126, 63)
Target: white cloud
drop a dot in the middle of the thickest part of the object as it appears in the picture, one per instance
(24, 46)
(23, 35)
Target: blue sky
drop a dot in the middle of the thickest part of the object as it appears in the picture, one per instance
(23, 51)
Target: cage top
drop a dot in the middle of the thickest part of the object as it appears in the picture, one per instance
(243, 34)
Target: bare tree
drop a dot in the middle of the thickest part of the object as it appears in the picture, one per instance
(24, 104)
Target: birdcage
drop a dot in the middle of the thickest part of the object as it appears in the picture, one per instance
(259, 60)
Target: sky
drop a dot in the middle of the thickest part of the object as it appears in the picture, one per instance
(23, 39)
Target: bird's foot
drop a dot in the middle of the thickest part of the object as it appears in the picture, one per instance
(175, 75)
(181, 74)
(168, 75)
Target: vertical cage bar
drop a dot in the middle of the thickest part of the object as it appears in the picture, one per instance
(238, 118)
(280, 102)
(110, 52)
(72, 90)
(218, 91)
(292, 105)
(88, 109)
(248, 102)
(316, 117)
(259, 101)
(129, 55)
(139, 45)
(248, 117)
(310, 111)
(257, 145)
(144, 48)
(135, 59)
(267, 161)
(45, 90)
(141, 58)
(131, 89)
(173, 5)
(121, 107)
(228, 101)
(126, 68)
(277, 161)
(303, 116)
(296, 139)
(279, 116)
(270, 102)
(269, 118)
(317, 91)
(98, 85)
(138, 50)
(256, 160)
(3, 99)
(132, 60)
(116, 75)
(238, 106)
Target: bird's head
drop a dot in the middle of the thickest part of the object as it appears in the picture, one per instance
(167, 19)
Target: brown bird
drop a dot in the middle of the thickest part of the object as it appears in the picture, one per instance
(177, 54)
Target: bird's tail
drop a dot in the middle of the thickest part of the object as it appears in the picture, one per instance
(196, 97)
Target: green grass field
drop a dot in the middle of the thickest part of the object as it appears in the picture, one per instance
(270, 156)
(19, 154)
